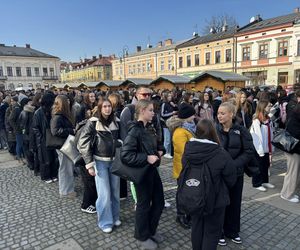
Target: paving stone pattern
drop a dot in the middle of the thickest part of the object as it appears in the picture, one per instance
(33, 216)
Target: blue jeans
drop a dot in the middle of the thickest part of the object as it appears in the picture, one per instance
(65, 174)
(19, 146)
(167, 140)
(108, 190)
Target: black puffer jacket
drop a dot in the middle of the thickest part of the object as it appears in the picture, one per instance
(97, 141)
(14, 118)
(61, 126)
(138, 144)
(238, 143)
(219, 162)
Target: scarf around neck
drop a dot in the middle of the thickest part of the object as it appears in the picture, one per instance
(190, 126)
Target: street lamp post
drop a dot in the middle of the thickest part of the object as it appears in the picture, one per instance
(123, 55)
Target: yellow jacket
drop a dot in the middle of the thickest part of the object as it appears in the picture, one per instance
(180, 137)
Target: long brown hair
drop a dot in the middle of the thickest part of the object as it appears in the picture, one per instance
(61, 105)
(206, 130)
(246, 107)
(110, 118)
(260, 112)
(86, 100)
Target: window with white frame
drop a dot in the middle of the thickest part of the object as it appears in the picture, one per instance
(188, 61)
(37, 71)
(170, 64)
(28, 71)
(298, 48)
(283, 48)
(246, 53)
(1, 71)
(207, 58)
(51, 71)
(18, 71)
(162, 65)
(263, 51)
(197, 60)
(228, 55)
(9, 71)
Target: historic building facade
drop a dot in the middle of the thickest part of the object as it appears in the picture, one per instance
(27, 68)
(88, 70)
(267, 50)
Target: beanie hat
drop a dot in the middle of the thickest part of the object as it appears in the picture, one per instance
(15, 98)
(185, 111)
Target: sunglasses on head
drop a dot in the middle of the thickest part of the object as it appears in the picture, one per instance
(145, 94)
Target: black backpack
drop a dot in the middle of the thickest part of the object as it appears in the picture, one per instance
(196, 193)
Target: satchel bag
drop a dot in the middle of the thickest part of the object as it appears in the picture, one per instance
(53, 142)
(284, 141)
(70, 150)
(135, 175)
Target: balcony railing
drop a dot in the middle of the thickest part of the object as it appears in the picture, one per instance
(50, 77)
(3, 77)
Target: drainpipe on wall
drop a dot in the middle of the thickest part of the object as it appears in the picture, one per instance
(235, 54)
(155, 65)
(175, 64)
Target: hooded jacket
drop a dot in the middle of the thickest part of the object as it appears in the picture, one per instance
(219, 162)
(180, 137)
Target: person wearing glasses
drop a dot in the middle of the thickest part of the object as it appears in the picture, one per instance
(126, 118)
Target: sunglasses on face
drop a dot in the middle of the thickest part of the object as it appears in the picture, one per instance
(145, 94)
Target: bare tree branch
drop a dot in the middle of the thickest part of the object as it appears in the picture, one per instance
(217, 22)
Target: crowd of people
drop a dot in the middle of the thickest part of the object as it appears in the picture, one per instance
(231, 132)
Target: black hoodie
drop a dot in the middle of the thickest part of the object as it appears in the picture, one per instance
(219, 162)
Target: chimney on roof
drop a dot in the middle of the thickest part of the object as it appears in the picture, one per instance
(297, 10)
(149, 46)
(100, 56)
(224, 27)
(27, 45)
(212, 30)
(159, 44)
(85, 59)
(195, 34)
(138, 48)
(94, 57)
(168, 42)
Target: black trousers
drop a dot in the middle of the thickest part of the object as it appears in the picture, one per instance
(232, 221)
(207, 230)
(28, 154)
(149, 207)
(123, 188)
(89, 188)
(263, 176)
(49, 169)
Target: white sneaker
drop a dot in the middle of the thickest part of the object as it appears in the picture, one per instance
(168, 156)
(167, 204)
(268, 185)
(293, 199)
(261, 188)
(296, 196)
(107, 230)
(117, 223)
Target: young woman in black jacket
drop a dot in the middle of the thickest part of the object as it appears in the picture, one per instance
(141, 148)
(237, 141)
(45, 160)
(205, 148)
(62, 126)
(97, 143)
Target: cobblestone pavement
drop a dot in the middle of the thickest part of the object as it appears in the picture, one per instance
(32, 216)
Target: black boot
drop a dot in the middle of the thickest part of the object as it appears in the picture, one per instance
(183, 222)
